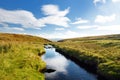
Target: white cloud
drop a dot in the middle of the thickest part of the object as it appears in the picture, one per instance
(86, 27)
(55, 20)
(18, 29)
(22, 17)
(105, 19)
(101, 28)
(53, 10)
(96, 30)
(59, 29)
(80, 21)
(27, 20)
(115, 1)
(6, 27)
(12, 29)
(55, 16)
(61, 35)
(109, 28)
(99, 1)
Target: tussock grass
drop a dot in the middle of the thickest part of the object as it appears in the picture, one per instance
(101, 52)
(20, 57)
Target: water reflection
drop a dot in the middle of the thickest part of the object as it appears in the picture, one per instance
(55, 61)
(65, 69)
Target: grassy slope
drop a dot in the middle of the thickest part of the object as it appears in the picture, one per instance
(102, 52)
(21, 38)
(104, 37)
(19, 58)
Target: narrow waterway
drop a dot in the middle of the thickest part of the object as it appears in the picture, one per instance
(65, 68)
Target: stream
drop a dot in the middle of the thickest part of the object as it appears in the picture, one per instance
(65, 69)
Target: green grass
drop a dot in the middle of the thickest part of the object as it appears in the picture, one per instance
(101, 52)
(20, 57)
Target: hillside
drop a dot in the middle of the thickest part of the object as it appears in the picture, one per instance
(104, 37)
(102, 53)
(20, 57)
(21, 38)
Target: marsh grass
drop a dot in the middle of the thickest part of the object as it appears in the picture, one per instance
(19, 59)
(101, 52)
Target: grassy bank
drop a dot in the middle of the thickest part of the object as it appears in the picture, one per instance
(20, 57)
(101, 53)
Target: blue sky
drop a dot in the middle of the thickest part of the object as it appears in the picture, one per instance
(60, 18)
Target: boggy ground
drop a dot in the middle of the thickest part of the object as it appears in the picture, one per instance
(101, 53)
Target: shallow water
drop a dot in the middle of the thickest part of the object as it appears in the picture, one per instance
(65, 68)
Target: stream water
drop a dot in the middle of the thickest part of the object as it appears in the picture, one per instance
(65, 68)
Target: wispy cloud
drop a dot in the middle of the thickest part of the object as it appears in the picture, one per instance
(27, 20)
(80, 21)
(51, 9)
(87, 26)
(115, 1)
(22, 17)
(101, 27)
(59, 29)
(6, 27)
(109, 28)
(55, 16)
(16, 28)
(74, 34)
(105, 19)
(61, 35)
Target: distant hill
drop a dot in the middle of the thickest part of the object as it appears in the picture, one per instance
(21, 38)
(104, 37)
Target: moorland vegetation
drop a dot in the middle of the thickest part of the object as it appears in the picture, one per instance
(99, 52)
(20, 57)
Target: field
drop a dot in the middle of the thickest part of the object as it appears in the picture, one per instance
(20, 57)
(100, 52)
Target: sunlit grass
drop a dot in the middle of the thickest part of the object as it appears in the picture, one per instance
(101, 52)
(20, 59)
